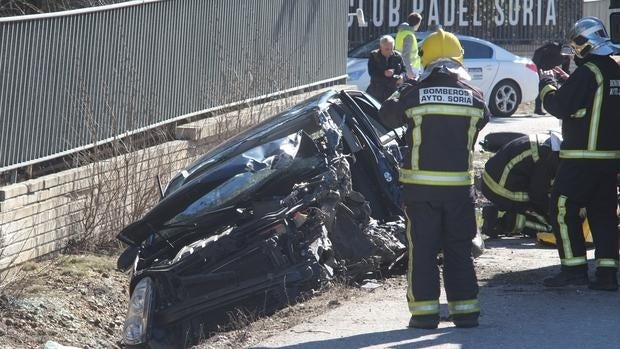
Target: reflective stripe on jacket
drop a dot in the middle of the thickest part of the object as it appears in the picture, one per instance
(522, 171)
(443, 116)
(588, 104)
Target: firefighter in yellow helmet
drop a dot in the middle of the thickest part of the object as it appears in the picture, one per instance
(443, 114)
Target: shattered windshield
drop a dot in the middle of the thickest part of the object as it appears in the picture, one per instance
(301, 117)
(259, 165)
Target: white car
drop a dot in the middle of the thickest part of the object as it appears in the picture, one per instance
(506, 79)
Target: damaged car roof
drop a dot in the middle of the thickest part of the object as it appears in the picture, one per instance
(230, 158)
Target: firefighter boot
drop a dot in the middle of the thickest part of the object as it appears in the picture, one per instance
(427, 322)
(576, 276)
(465, 320)
(605, 280)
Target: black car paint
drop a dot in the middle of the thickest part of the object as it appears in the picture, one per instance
(257, 223)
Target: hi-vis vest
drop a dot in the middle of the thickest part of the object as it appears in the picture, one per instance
(399, 45)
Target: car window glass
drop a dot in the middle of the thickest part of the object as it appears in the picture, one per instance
(475, 50)
(363, 52)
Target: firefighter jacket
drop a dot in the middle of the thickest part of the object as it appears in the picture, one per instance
(588, 104)
(443, 116)
(522, 171)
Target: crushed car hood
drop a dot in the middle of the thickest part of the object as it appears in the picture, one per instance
(235, 171)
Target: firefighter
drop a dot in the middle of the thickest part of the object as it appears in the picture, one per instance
(517, 180)
(443, 115)
(587, 104)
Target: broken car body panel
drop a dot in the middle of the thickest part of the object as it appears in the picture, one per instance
(266, 216)
(239, 155)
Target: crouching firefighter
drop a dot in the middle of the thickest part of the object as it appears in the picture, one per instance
(517, 180)
(443, 116)
(588, 104)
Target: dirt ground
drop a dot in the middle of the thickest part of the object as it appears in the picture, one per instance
(73, 300)
(81, 301)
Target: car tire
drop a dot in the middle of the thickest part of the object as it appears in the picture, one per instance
(505, 99)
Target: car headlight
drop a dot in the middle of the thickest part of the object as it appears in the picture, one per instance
(136, 323)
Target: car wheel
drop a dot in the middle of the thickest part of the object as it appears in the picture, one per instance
(505, 98)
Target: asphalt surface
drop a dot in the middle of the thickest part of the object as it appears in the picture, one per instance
(523, 123)
(517, 311)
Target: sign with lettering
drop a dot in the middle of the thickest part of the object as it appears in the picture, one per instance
(475, 73)
(462, 13)
(495, 20)
(446, 95)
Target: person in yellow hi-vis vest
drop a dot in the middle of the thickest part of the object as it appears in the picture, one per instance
(407, 44)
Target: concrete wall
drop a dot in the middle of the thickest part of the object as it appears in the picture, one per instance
(41, 216)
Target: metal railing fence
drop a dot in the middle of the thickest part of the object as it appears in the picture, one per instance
(72, 79)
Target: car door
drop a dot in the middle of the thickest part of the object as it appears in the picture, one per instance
(480, 63)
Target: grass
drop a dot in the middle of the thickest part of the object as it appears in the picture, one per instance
(82, 264)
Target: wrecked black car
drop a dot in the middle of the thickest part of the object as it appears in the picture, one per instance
(275, 212)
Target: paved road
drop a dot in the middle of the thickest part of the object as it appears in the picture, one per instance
(520, 123)
(518, 312)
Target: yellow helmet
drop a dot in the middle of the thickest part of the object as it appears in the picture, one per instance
(441, 44)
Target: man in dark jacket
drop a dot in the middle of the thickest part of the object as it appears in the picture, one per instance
(517, 180)
(386, 69)
(588, 104)
(443, 116)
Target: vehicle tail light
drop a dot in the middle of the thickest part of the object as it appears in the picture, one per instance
(532, 67)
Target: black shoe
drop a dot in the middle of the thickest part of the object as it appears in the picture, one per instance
(465, 320)
(605, 280)
(427, 322)
(567, 277)
(539, 112)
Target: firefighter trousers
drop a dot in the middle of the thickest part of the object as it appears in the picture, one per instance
(447, 226)
(589, 184)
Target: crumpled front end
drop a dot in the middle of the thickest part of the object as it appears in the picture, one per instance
(259, 228)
